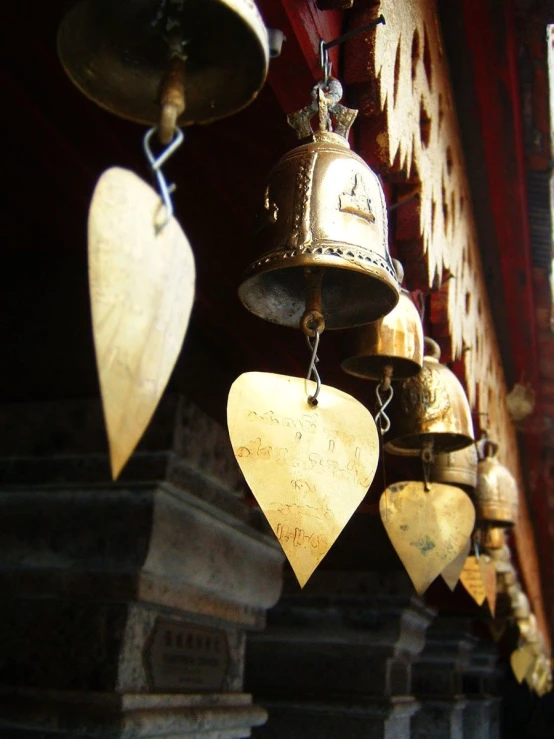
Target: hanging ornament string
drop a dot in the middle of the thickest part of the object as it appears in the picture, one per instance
(156, 164)
(312, 370)
(383, 400)
(426, 462)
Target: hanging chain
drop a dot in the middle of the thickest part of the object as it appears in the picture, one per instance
(156, 164)
(312, 370)
(325, 62)
(384, 387)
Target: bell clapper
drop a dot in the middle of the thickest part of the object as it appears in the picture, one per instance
(172, 97)
(427, 457)
(384, 386)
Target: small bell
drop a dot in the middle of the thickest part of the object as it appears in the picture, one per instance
(520, 606)
(457, 468)
(323, 234)
(200, 60)
(496, 497)
(430, 411)
(392, 344)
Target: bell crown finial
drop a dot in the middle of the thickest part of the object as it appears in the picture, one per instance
(326, 105)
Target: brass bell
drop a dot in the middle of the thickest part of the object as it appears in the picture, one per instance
(520, 606)
(393, 344)
(430, 410)
(323, 231)
(210, 59)
(457, 468)
(496, 496)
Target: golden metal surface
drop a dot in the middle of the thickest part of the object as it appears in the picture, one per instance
(520, 606)
(308, 467)
(141, 294)
(324, 208)
(118, 53)
(496, 496)
(430, 409)
(457, 468)
(427, 529)
(395, 340)
(451, 573)
(521, 661)
(488, 575)
(492, 537)
(472, 580)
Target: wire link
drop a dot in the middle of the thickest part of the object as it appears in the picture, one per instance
(156, 163)
(381, 418)
(312, 370)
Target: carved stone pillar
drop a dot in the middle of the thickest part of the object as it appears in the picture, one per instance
(437, 680)
(125, 606)
(482, 712)
(335, 659)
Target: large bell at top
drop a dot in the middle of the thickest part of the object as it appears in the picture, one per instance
(430, 410)
(323, 229)
(497, 498)
(119, 52)
(394, 343)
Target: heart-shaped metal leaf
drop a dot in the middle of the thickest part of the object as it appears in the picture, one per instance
(488, 575)
(141, 292)
(428, 529)
(308, 467)
(521, 661)
(472, 580)
(451, 573)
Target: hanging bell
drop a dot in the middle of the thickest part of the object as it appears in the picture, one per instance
(207, 59)
(496, 496)
(393, 344)
(457, 468)
(323, 232)
(430, 410)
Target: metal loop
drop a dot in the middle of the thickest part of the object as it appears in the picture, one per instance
(381, 417)
(324, 61)
(312, 371)
(156, 163)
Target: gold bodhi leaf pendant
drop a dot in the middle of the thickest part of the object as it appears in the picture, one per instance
(451, 573)
(472, 580)
(427, 528)
(308, 467)
(141, 292)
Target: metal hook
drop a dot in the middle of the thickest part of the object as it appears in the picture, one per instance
(324, 61)
(312, 399)
(381, 417)
(156, 164)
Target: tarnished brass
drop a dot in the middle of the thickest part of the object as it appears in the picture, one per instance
(496, 496)
(394, 341)
(120, 53)
(430, 410)
(427, 528)
(324, 209)
(457, 468)
(528, 628)
(309, 467)
(492, 537)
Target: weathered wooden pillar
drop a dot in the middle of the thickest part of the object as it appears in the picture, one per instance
(437, 680)
(335, 659)
(482, 711)
(125, 606)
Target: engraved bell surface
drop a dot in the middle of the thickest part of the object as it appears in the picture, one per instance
(496, 498)
(117, 53)
(430, 410)
(394, 341)
(457, 468)
(324, 210)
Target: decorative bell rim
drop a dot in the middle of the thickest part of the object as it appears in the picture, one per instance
(209, 58)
